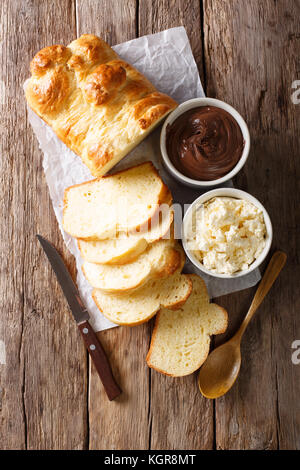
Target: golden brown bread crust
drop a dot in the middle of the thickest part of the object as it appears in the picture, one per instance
(165, 197)
(144, 320)
(102, 85)
(172, 265)
(98, 105)
(49, 57)
(113, 320)
(177, 307)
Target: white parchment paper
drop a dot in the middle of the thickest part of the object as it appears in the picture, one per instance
(167, 60)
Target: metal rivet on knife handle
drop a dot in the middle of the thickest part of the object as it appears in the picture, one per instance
(81, 316)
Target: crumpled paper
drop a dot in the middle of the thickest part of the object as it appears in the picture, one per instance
(167, 61)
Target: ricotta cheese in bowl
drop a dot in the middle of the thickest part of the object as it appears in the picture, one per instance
(226, 235)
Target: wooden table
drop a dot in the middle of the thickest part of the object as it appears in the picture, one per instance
(50, 396)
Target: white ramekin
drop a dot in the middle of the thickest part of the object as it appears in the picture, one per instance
(194, 103)
(228, 192)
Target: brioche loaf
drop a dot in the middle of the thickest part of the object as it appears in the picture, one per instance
(160, 260)
(181, 339)
(125, 201)
(98, 105)
(142, 304)
(124, 248)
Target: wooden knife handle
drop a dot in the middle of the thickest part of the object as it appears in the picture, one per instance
(98, 355)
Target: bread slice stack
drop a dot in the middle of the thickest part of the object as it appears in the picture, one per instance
(125, 247)
(159, 260)
(142, 304)
(124, 202)
(123, 223)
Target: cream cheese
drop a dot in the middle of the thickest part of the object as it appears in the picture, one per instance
(226, 234)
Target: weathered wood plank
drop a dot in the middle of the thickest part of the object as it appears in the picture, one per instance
(251, 53)
(251, 62)
(157, 15)
(180, 418)
(122, 424)
(114, 21)
(43, 384)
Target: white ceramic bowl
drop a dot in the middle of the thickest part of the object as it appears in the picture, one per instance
(194, 103)
(228, 192)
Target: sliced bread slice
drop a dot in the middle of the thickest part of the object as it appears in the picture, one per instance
(160, 260)
(181, 339)
(124, 201)
(125, 247)
(142, 304)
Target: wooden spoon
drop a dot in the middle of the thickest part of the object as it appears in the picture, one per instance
(222, 366)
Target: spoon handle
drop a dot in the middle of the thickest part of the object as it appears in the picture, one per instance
(272, 272)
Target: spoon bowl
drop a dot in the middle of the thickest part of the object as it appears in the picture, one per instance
(221, 368)
(219, 373)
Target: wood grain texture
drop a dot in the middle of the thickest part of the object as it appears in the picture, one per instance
(172, 420)
(251, 62)
(122, 424)
(157, 15)
(247, 54)
(43, 385)
(114, 21)
(180, 417)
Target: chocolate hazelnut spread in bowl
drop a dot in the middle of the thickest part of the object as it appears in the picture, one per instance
(204, 142)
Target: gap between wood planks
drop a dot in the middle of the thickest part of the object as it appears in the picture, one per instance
(157, 23)
(223, 411)
(201, 25)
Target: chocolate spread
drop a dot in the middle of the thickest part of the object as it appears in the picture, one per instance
(204, 143)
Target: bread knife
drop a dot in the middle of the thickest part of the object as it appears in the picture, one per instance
(81, 317)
